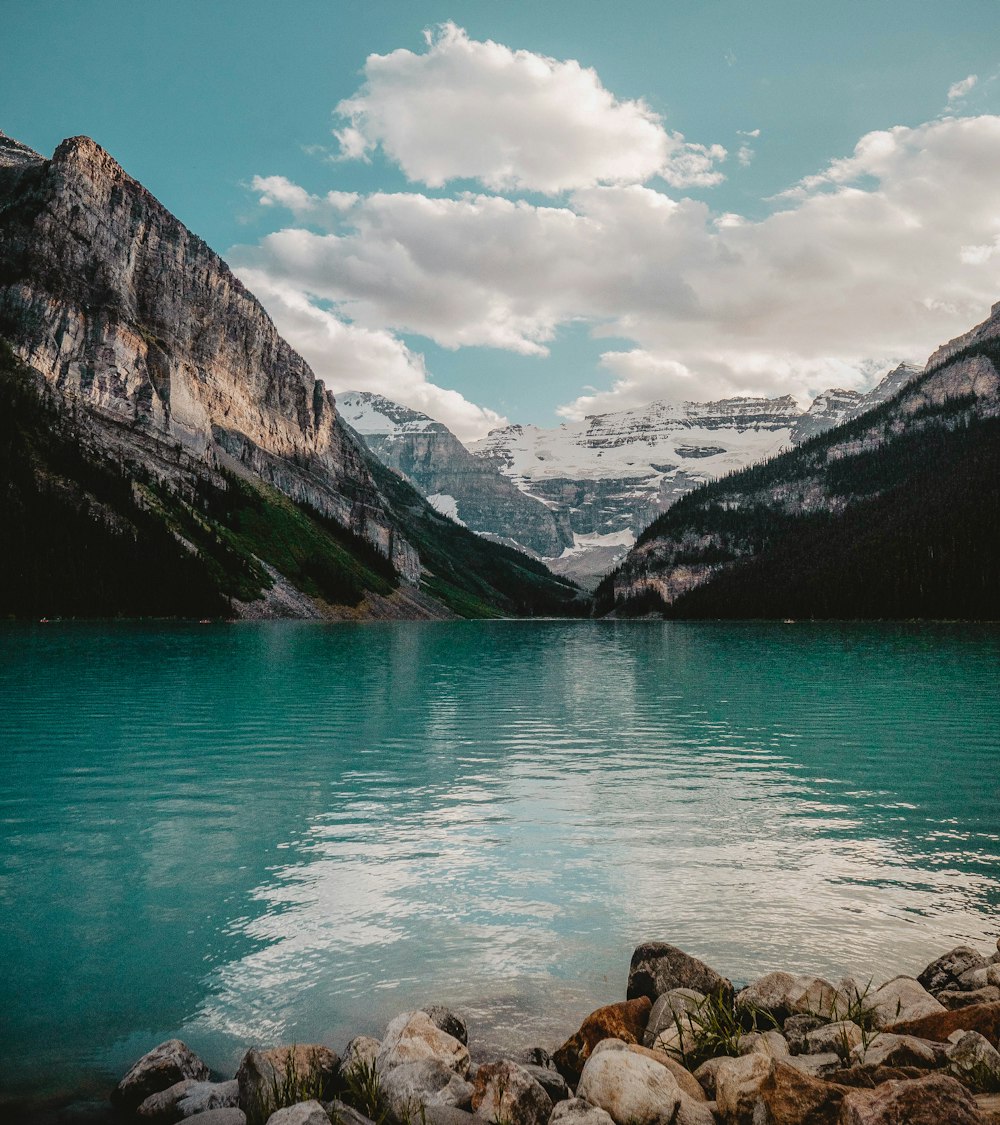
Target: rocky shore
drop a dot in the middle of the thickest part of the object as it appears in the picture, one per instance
(685, 1047)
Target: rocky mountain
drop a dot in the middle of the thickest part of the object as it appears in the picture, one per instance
(892, 513)
(466, 488)
(152, 406)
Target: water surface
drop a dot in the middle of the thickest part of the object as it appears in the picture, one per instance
(290, 832)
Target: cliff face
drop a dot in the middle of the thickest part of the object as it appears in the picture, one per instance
(877, 506)
(467, 488)
(168, 407)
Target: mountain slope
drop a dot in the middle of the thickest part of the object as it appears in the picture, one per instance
(467, 488)
(175, 408)
(895, 513)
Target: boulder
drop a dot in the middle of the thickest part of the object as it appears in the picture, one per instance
(550, 1080)
(945, 971)
(269, 1079)
(447, 1115)
(868, 1077)
(984, 1018)
(657, 968)
(889, 1049)
(668, 1008)
(796, 1031)
(901, 998)
(795, 1098)
(780, 995)
(770, 1043)
(342, 1113)
(506, 1092)
(625, 1021)
(159, 1069)
(975, 1061)
(694, 1112)
(738, 1085)
(989, 1106)
(184, 1099)
(687, 1082)
(953, 998)
(414, 1036)
(841, 1038)
(361, 1051)
(818, 1066)
(450, 1023)
(933, 1100)
(222, 1117)
(575, 1111)
(410, 1086)
(302, 1113)
(632, 1088)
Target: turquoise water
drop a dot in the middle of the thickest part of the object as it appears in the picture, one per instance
(290, 832)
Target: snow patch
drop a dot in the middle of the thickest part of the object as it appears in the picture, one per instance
(446, 505)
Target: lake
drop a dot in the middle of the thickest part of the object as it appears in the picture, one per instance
(265, 833)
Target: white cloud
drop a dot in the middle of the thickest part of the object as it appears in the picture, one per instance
(745, 155)
(884, 254)
(960, 89)
(513, 120)
(349, 358)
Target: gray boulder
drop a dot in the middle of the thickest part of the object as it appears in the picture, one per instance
(658, 967)
(413, 1036)
(576, 1111)
(222, 1117)
(185, 1099)
(505, 1091)
(899, 999)
(770, 1043)
(796, 1031)
(959, 998)
(945, 971)
(974, 1060)
(343, 1114)
(159, 1069)
(841, 1038)
(667, 1009)
(816, 1066)
(449, 1022)
(633, 1089)
(297, 1071)
(362, 1050)
(411, 1086)
(887, 1049)
(302, 1113)
(550, 1080)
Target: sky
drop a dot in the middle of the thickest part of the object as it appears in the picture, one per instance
(528, 212)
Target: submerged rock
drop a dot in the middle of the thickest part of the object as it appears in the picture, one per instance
(159, 1069)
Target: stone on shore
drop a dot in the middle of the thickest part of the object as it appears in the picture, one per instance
(669, 1008)
(361, 1051)
(159, 1069)
(633, 1089)
(899, 999)
(505, 1091)
(687, 1082)
(889, 1049)
(738, 1084)
(657, 968)
(974, 1060)
(302, 1113)
(295, 1071)
(449, 1022)
(934, 1099)
(185, 1099)
(625, 1021)
(796, 1032)
(222, 1117)
(794, 1098)
(575, 1111)
(779, 995)
(550, 1080)
(952, 998)
(413, 1036)
(984, 1018)
(946, 971)
(770, 1043)
(411, 1086)
(342, 1113)
(816, 1066)
(841, 1038)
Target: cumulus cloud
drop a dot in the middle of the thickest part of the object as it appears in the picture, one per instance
(883, 254)
(348, 358)
(513, 120)
(958, 90)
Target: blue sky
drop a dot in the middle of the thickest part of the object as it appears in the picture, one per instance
(197, 99)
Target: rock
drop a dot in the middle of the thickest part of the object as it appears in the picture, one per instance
(286, 1074)
(408, 1087)
(989, 1106)
(976, 1061)
(796, 1030)
(450, 1023)
(780, 995)
(888, 1049)
(841, 1038)
(868, 1077)
(633, 1089)
(933, 1100)
(550, 1080)
(184, 1099)
(625, 1021)
(706, 1074)
(506, 1092)
(668, 1008)
(946, 971)
(694, 1112)
(984, 1018)
(222, 1117)
(738, 1085)
(448, 1115)
(343, 1114)
(795, 1098)
(302, 1113)
(362, 1050)
(770, 1043)
(160, 1068)
(537, 1056)
(901, 998)
(657, 968)
(818, 1066)
(576, 1111)
(687, 1082)
(952, 998)
(414, 1036)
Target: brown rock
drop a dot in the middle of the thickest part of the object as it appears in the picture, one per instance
(868, 1077)
(658, 967)
(625, 1021)
(738, 1084)
(989, 1106)
(794, 1098)
(932, 1100)
(952, 999)
(984, 1018)
(504, 1091)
